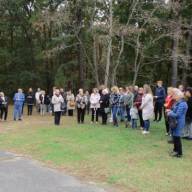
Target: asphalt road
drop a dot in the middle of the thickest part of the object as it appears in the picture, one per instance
(18, 174)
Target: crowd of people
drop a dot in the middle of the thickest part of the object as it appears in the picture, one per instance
(119, 104)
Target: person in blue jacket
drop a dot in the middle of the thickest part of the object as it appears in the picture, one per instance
(160, 95)
(178, 112)
(19, 99)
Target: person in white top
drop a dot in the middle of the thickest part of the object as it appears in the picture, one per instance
(57, 100)
(95, 104)
(37, 94)
(147, 108)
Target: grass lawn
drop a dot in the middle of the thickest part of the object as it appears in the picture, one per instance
(120, 157)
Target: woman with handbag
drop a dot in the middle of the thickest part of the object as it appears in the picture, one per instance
(57, 101)
(81, 102)
(177, 121)
(70, 103)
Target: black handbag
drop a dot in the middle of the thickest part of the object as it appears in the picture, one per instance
(172, 122)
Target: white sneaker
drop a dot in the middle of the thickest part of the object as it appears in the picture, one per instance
(144, 132)
(147, 132)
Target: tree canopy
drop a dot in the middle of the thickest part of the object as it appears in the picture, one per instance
(85, 43)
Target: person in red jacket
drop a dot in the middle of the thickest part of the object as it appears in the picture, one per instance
(169, 102)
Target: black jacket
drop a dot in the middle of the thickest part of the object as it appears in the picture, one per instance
(30, 99)
(4, 103)
(104, 101)
(189, 111)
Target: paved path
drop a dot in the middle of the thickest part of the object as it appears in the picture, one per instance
(18, 174)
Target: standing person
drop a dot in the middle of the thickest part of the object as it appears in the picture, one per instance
(135, 92)
(134, 116)
(187, 133)
(57, 100)
(70, 103)
(47, 102)
(42, 103)
(147, 108)
(138, 102)
(88, 102)
(95, 105)
(18, 99)
(37, 94)
(181, 88)
(104, 105)
(121, 104)
(114, 102)
(3, 107)
(30, 100)
(128, 101)
(177, 117)
(64, 104)
(169, 102)
(160, 95)
(81, 106)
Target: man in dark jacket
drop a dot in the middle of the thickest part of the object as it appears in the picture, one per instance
(160, 95)
(30, 99)
(104, 105)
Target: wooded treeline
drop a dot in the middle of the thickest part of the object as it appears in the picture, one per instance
(85, 43)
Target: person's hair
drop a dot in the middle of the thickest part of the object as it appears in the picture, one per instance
(147, 89)
(115, 89)
(170, 89)
(81, 90)
(178, 93)
(95, 90)
(189, 89)
(2, 94)
(105, 91)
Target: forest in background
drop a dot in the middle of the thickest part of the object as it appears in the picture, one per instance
(85, 43)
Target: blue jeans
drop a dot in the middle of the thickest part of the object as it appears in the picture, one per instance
(134, 123)
(114, 115)
(146, 125)
(121, 113)
(17, 111)
(128, 113)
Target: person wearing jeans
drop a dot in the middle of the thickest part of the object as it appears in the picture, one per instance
(114, 102)
(57, 100)
(128, 102)
(147, 108)
(18, 99)
(178, 112)
(159, 100)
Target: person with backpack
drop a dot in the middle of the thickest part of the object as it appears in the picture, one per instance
(3, 107)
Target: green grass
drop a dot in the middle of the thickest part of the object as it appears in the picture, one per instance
(117, 156)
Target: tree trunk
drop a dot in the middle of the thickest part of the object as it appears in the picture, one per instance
(109, 44)
(95, 61)
(188, 57)
(174, 80)
(80, 55)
